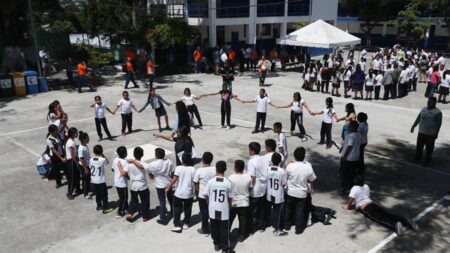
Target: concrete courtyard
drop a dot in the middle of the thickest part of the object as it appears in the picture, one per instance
(38, 218)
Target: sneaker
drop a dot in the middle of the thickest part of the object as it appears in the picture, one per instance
(223, 126)
(200, 231)
(327, 219)
(107, 210)
(320, 143)
(161, 221)
(176, 229)
(87, 196)
(145, 219)
(228, 127)
(58, 186)
(217, 247)
(200, 127)
(255, 131)
(280, 233)
(413, 225)
(118, 215)
(398, 228)
(69, 196)
(333, 214)
(185, 226)
(98, 208)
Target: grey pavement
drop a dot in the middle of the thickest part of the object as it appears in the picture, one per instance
(38, 218)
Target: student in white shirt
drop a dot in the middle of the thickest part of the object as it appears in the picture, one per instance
(241, 183)
(444, 87)
(188, 100)
(72, 172)
(201, 177)
(54, 145)
(370, 80)
(378, 82)
(350, 160)
(43, 165)
(261, 109)
(403, 82)
(62, 126)
(100, 119)
(138, 187)
(360, 197)
(126, 104)
(257, 169)
(84, 157)
(281, 141)
(296, 106)
(218, 194)
(54, 112)
(121, 180)
(161, 170)
(327, 122)
(347, 76)
(98, 179)
(300, 177)
(271, 148)
(276, 177)
(184, 193)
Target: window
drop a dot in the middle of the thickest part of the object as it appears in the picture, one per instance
(298, 7)
(266, 29)
(197, 8)
(270, 8)
(232, 9)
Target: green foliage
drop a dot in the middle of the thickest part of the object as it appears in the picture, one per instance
(172, 31)
(95, 57)
(408, 22)
(299, 24)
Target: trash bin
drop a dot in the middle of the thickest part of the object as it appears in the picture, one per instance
(6, 87)
(20, 88)
(43, 84)
(31, 78)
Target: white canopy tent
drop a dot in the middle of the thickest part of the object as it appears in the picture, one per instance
(319, 34)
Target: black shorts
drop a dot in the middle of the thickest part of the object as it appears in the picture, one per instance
(336, 85)
(443, 90)
(369, 88)
(161, 111)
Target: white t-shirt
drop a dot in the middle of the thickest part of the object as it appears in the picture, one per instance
(403, 76)
(369, 80)
(100, 110)
(185, 176)
(268, 157)
(138, 177)
(83, 153)
(377, 63)
(378, 80)
(298, 175)
(347, 75)
(297, 106)
(361, 194)
(162, 169)
(97, 166)
(53, 142)
(354, 140)
(219, 192)
(328, 115)
(51, 119)
(119, 180)
(70, 144)
(188, 100)
(224, 57)
(202, 176)
(257, 167)
(363, 130)
(261, 103)
(43, 160)
(282, 145)
(445, 82)
(125, 105)
(276, 178)
(241, 184)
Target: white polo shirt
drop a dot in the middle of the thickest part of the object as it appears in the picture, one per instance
(361, 194)
(261, 103)
(125, 105)
(257, 167)
(298, 175)
(241, 184)
(202, 176)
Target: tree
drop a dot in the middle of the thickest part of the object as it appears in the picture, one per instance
(371, 12)
(408, 21)
(441, 8)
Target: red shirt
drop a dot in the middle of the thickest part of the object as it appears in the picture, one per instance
(81, 69)
(129, 66)
(197, 55)
(435, 78)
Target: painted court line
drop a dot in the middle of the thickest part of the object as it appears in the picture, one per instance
(417, 218)
(22, 146)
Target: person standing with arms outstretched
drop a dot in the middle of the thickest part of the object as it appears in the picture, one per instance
(225, 105)
(261, 109)
(126, 104)
(100, 119)
(297, 113)
(429, 121)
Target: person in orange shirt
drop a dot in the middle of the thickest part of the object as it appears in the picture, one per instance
(151, 72)
(231, 57)
(198, 60)
(82, 76)
(130, 74)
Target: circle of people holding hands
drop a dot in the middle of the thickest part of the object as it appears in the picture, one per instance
(271, 190)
